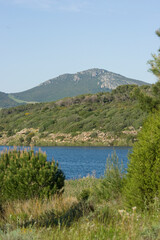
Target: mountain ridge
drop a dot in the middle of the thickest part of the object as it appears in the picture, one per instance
(69, 85)
(6, 101)
(92, 71)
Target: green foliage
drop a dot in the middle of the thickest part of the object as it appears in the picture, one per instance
(84, 195)
(94, 135)
(155, 62)
(21, 140)
(108, 112)
(150, 100)
(29, 138)
(73, 134)
(143, 177)
(10, 133)
(25, 174)
(1, 128)
(110, 186)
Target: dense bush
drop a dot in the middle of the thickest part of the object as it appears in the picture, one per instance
(143, 177)
(25, 174)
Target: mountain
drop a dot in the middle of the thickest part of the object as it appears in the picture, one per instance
(69, 85)
(6, 101)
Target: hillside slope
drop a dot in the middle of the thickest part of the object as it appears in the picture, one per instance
(6, 101)
(69, 85)
(112, 118)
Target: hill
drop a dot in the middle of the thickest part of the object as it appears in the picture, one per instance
(69, 85)
(111, 118)
(6, 101)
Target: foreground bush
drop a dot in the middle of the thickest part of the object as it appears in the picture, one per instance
(143, 177)
(25, 174)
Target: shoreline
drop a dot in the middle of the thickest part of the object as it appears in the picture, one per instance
(32, 137)
(66, 145)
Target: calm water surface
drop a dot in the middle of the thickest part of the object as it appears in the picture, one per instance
(78, 162)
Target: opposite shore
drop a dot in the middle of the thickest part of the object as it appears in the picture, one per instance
(91, 138)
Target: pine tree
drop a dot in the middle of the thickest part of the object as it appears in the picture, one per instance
(143, 176)
(25, 174)
(150, 100)
(155, 62)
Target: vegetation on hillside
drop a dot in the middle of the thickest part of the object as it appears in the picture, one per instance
(6, 101)
(116, 114)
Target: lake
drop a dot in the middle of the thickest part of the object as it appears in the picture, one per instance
(77, 162)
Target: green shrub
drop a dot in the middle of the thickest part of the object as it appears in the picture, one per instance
(84, 195)
(73, 134)
(1, 128)
(110, 186)
(21, 139)
(10, 133)
(29, 138)
(143, 177)
(94, 135)
(25, 174)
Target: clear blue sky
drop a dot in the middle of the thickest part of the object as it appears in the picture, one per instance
(41, 39)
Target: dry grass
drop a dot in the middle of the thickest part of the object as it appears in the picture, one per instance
(27, 210)
(110, 220)
(33, 208)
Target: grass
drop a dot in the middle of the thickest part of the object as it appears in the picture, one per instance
(89, 209)
(69, 217)
(17, 100)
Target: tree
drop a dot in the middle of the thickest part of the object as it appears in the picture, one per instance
(25, 174)
(150, 100)
(143, 176)
(155, 62)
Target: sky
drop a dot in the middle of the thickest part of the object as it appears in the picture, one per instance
(41, 39)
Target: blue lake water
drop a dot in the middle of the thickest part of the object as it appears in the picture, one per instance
(77, 162)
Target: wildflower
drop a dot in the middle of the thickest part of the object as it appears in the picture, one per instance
(134, 208)
(121, 212)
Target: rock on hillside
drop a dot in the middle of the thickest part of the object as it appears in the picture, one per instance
(69, 85)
